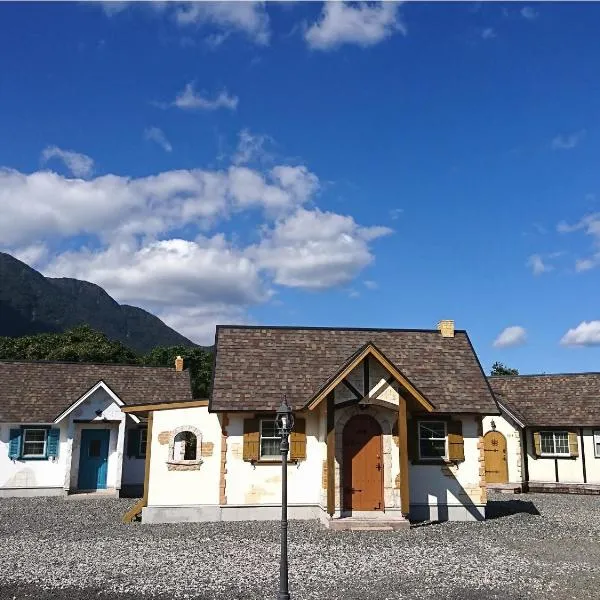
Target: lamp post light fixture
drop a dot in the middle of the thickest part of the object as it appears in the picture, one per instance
(285, 423)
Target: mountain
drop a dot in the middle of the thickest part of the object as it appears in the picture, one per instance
(31, 303)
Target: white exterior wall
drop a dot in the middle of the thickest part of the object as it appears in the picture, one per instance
(248, 484)
(454, 484)
(62, 473)
(185, 488)
(592, 464)
(514, 452)
(21, 474)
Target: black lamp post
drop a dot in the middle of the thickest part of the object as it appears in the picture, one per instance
(285, 423)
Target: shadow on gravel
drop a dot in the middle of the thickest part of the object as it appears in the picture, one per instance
(505, 508)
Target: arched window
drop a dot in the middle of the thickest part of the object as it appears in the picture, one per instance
(185, 449)
(185, 446)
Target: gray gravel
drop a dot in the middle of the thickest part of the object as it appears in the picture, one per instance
(68, 548)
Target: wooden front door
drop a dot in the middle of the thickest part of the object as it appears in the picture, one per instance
(496, 465)
(363, 464)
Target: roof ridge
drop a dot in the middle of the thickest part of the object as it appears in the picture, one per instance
(321, 328)
(543, 375)
(75, 362)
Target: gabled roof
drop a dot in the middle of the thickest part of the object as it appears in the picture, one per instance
(255, 366)
(561, 400)
(365, 353)
(38, 392)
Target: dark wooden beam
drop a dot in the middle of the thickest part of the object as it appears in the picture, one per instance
(403, 455)
(366, 376)
(356, 393)
(330, 454)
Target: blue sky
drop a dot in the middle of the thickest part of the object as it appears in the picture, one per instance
(343, 164)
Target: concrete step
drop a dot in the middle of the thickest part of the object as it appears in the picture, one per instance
(361, 524)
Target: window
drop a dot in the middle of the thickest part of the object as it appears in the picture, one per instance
(554, 443)
(432, 440)
(597, 444)
(94, 448)
(143, 441)
(185, 446)
(34, 443)
(270, 441)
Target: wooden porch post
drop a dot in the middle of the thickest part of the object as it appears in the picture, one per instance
(403, 454)
(330, 454)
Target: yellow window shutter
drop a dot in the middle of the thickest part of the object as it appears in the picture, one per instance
(412, 431)
(298, 440)
(251, 440)
(537, 443)
(456, 443)
(573, 446)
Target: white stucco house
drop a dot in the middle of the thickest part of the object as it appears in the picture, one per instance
(548, 435)
(388, 428)
(63, 429)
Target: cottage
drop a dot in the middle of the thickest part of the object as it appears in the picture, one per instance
(63, 429)
(388, 428)
(548, 435)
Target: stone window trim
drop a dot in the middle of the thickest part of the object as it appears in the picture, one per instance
(175, 464)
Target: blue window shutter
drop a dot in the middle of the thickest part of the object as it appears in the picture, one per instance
(133, 443)
(14, 445)
(53, 443)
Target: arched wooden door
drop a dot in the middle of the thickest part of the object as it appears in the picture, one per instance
(363, 464)
(496, 465)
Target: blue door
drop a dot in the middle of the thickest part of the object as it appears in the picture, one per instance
(93, 459)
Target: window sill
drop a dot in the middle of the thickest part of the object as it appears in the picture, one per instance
(273, 461)
(435, 461)
(556, 456)
(33, 458)
(184, 465)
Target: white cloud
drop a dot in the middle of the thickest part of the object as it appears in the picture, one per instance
(251, 148)
(511, 336)
(568, 141)
(124, 233)
(396, 213)
(488, 33)
(249, 18)
(189, 99)
(371, 285)
(154, 134)
(529, 13)
(78, 164)
(587, 333)
(316, 250)
(32, 255)
(590, 225)
(537, 264)
(363, 24)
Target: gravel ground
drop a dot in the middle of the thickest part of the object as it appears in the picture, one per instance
(78, 549)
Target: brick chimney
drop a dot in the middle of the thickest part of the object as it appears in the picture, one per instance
(179, 364)
(446, 327)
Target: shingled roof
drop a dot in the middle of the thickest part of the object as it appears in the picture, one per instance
(255, 366)
(37, 392)
(562, 400)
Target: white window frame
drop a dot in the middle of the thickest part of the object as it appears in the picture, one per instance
(24, 441)
(421, 457)
(596, 440)
(143, 442)
(269, 437)
(553, 433)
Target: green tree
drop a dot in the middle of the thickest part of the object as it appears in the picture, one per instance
(80, 344)
(197, 360)
(499, 368)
